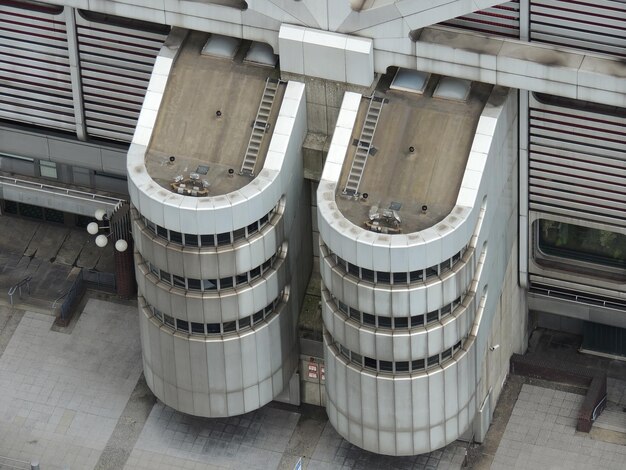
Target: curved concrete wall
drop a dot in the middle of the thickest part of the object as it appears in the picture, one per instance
(220, 375)
(403, 414)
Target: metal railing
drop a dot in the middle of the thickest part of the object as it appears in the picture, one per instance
(58, 190)
(18, 287)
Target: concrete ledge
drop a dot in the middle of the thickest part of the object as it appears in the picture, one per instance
(516, 64)
(595, 382)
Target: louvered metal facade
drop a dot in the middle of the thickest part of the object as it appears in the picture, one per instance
(501, 20)
(35, 82)
(115, 59)
(589, 25)
(577, 160)
(115, 64)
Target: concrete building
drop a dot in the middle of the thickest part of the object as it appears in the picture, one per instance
(454, 171)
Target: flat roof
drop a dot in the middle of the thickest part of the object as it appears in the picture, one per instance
(188, 128)
(440, 132)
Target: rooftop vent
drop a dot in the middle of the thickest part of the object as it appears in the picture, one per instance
(455, 89)
(221, 46)
(383, 221)
(413, 81)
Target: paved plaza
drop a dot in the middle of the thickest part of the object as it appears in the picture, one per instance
(541, 434)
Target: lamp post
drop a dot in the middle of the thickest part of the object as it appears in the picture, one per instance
(118, 229)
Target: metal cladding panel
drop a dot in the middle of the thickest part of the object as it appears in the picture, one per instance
(35, 83)
(500, 20)
(116, 63)
(591, 25)
(577, 160)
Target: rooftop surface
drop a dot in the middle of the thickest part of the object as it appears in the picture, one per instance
(439, 130)
(188, 128)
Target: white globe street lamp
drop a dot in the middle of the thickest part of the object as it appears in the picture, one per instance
(121, 245)
(93, 228)
(100, 213)
(101, 241)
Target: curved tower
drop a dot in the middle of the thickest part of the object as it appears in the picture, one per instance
(214, 173)
(407, 203)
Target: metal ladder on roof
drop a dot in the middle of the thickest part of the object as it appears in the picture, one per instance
(259, 127)
(363, 146)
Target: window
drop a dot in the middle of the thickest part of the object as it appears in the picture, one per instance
(401, 322)
(223, 239)
(207, 240)
(446, 354)
(353, 269)
(417, 320)
(197, 328)
(386, 366)
(209, 284)
(357, 358)
(161, 231)
(226, 282)
(432, 316)
(417, 364)
(383, 277)
(48, 169)
(191, 240)
(165, 277)
(258, 316)
(179, 281)
(384, 322)
(369, 319)
(369, 362)
(230, 326)
(194, 284)
(253, 228)
(213, 328)
(367, 275)
(169, 321)
(239, 234)
(242, 278)
(433, 360)
(402, 366)
(416, 275)
(263, 220)
(400, 278)
(182, 325)
(356, 314)
(176, 237)
(244, 322)
(582, 244)
(431, 272)
(256, 272)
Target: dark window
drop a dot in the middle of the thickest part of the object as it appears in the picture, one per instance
(191, 240)
(226, 282)
(244, 322)
(194, 284)
(258, 316)
(154, 270)
(197, 328)
(242, 278)
(263, 220)
(402, 366)
(256, 272)
(209, 284)
(179, 281)
(253, 227)
(431, 272)
(230, 326)
(456, 257)
(150, 225)
(353, 269)
(182, 325)
(417, 320)
(401, 322)
(213, 328)
(169, 320)
(383, 277)
(446, 309)
(165, 277)
(357, 358)
(343, 307)
(384, 322)
(445, 266)
(399, 278)
(369, 319)
(176, 237)
(356, 314)
(269, 309)
(367, 275)
(161, 231)
(417, 364)
(386, 366)
(207, 240)
(457, 346)
(432, 316)
(369, 362)
(433, 360)
(446, 354)
(239, 234)
(344, 351)
(223, 238)
(416, 275)
(267, 265)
